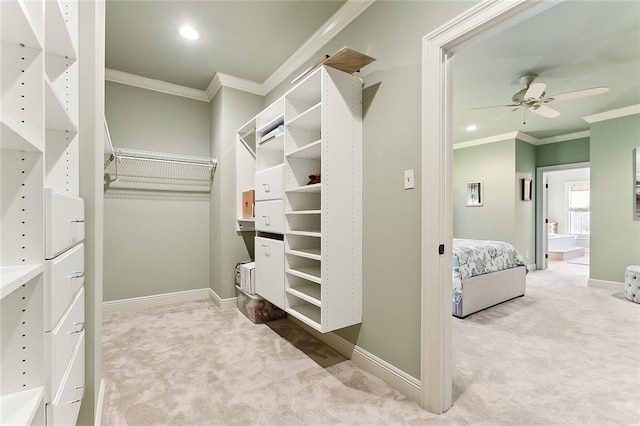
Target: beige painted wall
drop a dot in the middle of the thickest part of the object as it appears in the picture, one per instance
(230, 109)
(155, 243)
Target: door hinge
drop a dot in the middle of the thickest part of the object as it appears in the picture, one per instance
(546, 221)
(546, 185)
(441, 249)
(546, 256)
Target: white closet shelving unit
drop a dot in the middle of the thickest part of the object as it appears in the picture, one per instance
(323, 228)
(315, 274)
(39, 127)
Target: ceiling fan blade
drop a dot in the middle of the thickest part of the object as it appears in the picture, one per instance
(534, 91)
(545, 111)
(496, 106)
(568, 96)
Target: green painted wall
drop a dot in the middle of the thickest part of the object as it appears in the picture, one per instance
(494, 165)
(230, 109)
(155, 243)
(615, 234)
(525, 211)
(392, 32)
(567, 152)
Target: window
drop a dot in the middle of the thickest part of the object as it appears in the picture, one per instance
(579, 206)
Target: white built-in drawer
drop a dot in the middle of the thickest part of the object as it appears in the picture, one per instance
(64, 409)
(64, 276)
(270, 183)
(269, 255)
(60, 344)
(270, 216)
(64, 224)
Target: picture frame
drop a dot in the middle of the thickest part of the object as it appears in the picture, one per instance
(636, 185)
(474, 196)
(527, 188)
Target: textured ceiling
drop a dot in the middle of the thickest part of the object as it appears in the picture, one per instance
(574, 45)
(247, 39)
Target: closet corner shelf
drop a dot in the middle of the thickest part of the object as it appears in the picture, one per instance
(56, 116)
(20, 408)
(17, 26)
(13, 138)
(158, 171)
(56, 33)
(15, 276)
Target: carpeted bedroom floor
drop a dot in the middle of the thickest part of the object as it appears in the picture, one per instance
(564, 354)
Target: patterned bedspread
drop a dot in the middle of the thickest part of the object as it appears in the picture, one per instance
(477, 257)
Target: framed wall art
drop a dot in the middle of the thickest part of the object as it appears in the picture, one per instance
(474, 195)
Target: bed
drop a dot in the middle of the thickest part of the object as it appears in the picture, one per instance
(485, 273)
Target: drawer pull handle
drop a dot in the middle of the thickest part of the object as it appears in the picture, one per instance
(77, 221)
(267, 252)
(267, 220)
(267, 187)
(79, 387)
(75, 401)
(77, 275)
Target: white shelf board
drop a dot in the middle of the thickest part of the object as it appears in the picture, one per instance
(309, 119)
(310, 293)
(56, 115)
(13, 138)
(14, 276)
(20, 408)
(309, 273)
(303, 212)
(17, 25)
(309, 253)
(273, 144)
(316, 187)
(271, 124)
(308, 314)
(312, 151)
(306, 233)
(59, 40)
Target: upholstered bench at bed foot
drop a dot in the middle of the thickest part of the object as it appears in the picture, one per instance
(632, 283)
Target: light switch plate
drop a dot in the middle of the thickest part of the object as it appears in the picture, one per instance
(408, 179)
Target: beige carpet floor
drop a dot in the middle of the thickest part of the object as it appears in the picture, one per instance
(564, 354)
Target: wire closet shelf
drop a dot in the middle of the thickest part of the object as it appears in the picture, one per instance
(140, 170)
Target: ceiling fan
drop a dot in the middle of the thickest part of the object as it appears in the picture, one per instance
(534, 97)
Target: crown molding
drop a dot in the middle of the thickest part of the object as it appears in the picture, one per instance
(527, 138)
(155, 85)
(615, 113)
(213, 87)
(489, 139)
(245, 85)
(343, 17)
(563, 138)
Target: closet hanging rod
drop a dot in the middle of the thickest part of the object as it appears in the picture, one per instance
(209, 163)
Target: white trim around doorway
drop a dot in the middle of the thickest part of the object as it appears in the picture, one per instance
(484, 19)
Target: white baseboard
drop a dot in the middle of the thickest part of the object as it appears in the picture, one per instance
(223, 304)
(532, 267)
(137, 303)
(393, 376)
(98, 416)
(609, 285)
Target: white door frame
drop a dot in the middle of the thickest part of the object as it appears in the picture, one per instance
(484, 19)
(542, 241)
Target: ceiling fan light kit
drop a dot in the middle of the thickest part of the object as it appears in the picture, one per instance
(534, 98)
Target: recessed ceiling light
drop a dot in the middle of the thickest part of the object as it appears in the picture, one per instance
(471, 127)
(188, 32)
